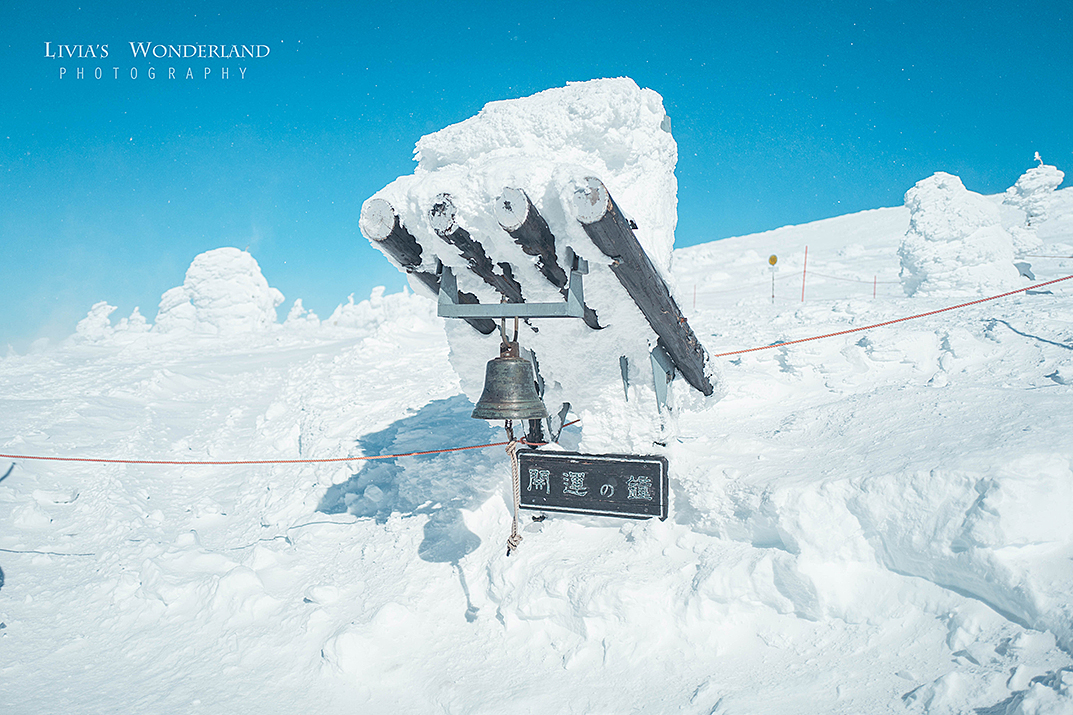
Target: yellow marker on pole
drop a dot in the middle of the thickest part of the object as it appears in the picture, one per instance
(773, 259)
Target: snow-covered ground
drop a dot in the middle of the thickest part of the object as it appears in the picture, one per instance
(878, 522)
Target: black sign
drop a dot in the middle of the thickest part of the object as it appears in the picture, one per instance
(603, 484)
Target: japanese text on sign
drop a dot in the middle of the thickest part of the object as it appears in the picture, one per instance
(609, 485)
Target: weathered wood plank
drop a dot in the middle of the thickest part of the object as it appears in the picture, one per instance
(520, 219)
(604, 223)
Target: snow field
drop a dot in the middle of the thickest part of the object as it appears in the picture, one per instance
(872, 523)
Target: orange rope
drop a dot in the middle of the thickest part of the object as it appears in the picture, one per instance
(268, 461)
(892, 322)
(500, 444)
(247, 461)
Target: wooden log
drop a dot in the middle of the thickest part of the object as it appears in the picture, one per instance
(520, 219)
(442, 219)
(604, 223)
(380, 223)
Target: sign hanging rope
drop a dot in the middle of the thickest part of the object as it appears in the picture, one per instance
(515, 539)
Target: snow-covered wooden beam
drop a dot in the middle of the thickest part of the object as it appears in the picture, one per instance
(605, 225)
(520, 219)
(380, 223)
(442, 219)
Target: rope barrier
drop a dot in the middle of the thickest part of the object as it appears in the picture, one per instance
(247, 461)
(874, 282)
(271, 461)
(739, 289)
(891, 322)
(781, 278)
(855, 280)
(500, 444)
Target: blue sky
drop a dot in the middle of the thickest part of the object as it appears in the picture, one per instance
(784, 113)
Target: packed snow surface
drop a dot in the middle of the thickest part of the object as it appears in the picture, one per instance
(876, 522)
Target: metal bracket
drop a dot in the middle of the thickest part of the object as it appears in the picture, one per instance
(662, 374)
(557, 421)
(572, 307)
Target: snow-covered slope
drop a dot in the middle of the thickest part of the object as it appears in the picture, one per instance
(871, 523)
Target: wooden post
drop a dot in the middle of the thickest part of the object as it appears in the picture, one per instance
(442, 219)
(604, 223)
(520, 219)
(380, 223)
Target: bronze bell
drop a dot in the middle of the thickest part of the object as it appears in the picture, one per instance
(509, 389)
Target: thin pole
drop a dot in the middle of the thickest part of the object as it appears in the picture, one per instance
(803, 269)
(874, 286)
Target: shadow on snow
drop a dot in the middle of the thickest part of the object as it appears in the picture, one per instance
(439, 485)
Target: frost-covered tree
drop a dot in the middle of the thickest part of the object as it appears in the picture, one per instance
(1033, 194)
(1034, 191)
(224, 292)
(955, 245)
